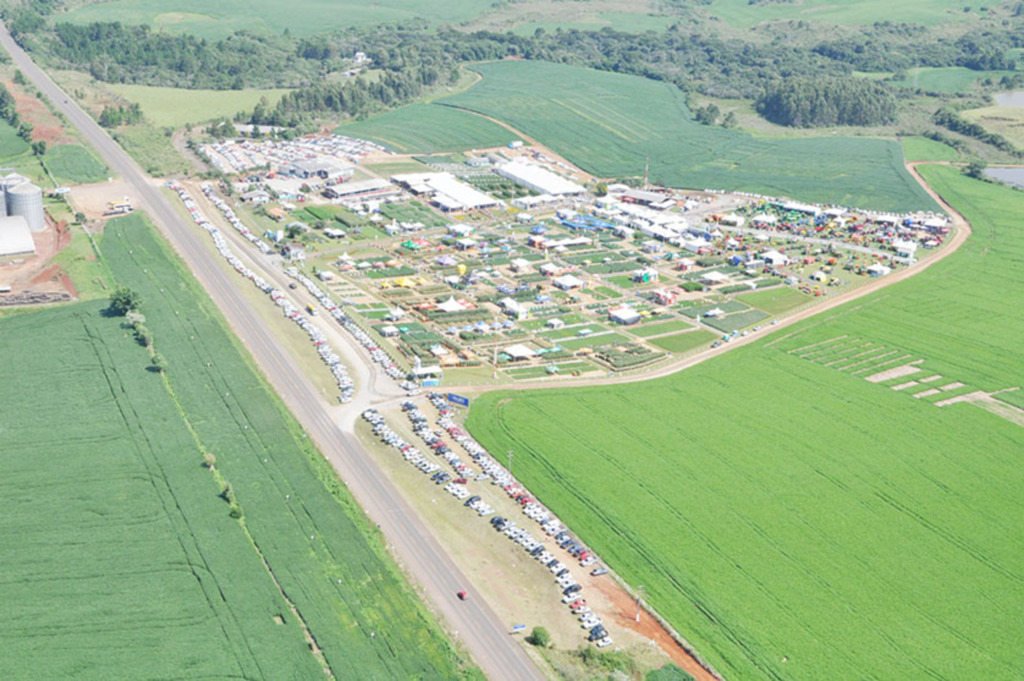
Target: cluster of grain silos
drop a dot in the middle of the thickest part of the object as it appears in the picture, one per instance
(23, 198)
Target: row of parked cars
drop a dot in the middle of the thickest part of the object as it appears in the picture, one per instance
(531, 508)
(345, 384)
(232, 218)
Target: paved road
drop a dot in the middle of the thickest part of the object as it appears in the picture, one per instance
(483, 634)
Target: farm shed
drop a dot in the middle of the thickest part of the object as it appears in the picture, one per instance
(775, 259)
(518, 352)
(512, 308)
(520, 265)
(555, 324)
(15, 237)
(256, 196)
(389, 331)
(713, 278)
(539, 179)
(362, 189)
(879, 270)
(568, 282)
(624, 314)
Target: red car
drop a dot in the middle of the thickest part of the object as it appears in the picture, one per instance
(462, 595)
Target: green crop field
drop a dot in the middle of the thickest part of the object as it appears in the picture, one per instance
(844, 527)
(305, 17)
(73, 163)
(611, 124)
(429, 128)
(947, 78)
(684, 342)
(120, 558)
(174, 107)
(10, 143)
(744, 13)
(924, 149)
(776, 300)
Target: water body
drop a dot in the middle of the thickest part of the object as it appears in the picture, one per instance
(1015, 98)
(1011, 176)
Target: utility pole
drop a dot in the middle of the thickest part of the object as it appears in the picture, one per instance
(639, 593)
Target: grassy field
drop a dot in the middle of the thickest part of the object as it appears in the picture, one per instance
(947, 78)
(744, 13)
(924, 149)
(845, 527)
(151, 149)
(429, 128)
(173, 107)
(10, 143)
(304, 17)
(127, 563)
(629, 22)
(1007, 121)
(775, 300)
(74, 164)
(684, 342)
(610, 124)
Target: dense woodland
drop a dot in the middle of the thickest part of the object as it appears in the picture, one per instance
(819, 89)
(817, 102)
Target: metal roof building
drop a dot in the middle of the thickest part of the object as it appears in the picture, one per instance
(539, 179)
(15, 237)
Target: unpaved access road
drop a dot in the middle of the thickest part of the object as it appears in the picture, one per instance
(484, 635)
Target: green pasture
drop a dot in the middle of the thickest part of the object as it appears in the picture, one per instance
(924, 149)
(10, 143)
(684, 342)
(611, 124)
(744, 13)
(737, 321)
(168, 107)
(119, 558)
(429, 128)
(660, 328)
(74, 164)
(305, 17)
(842, 516)
(947, 78)
(126, 562)
(775, 300)
(628, 22)
(1007, 121)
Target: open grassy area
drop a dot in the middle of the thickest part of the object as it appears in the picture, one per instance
(924, 149)
(947, 78)
(744, 13)
(10, 143)
(775, 300)
(1007, 121)
(122, 560)
(174, 107)
(611, 124)
(429, 128)
(305, 17)
(151, 149)
(684, 342)
(844, 516)
(74, 164)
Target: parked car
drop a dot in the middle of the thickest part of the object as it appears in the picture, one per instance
(597, 572)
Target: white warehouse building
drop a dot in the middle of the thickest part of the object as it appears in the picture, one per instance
(539, 179)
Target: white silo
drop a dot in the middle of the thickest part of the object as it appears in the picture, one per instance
(26, 199)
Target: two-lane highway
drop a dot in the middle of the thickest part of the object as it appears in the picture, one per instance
(483, 634)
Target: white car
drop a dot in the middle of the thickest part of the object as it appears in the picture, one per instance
(606, 641)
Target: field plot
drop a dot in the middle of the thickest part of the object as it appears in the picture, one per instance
(429, 128)
(947, 78)
(924, 149)
(10, 143)
(844, 516)
(610, 124)
(743, 13)
(1007, 121)
(299, 528)
(775, 300)
(174, 107)
(218, 20)
(75, 164)
(119, 558)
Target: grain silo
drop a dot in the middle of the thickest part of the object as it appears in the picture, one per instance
(26, 199)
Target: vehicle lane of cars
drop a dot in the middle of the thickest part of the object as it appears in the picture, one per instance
(462, 475)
